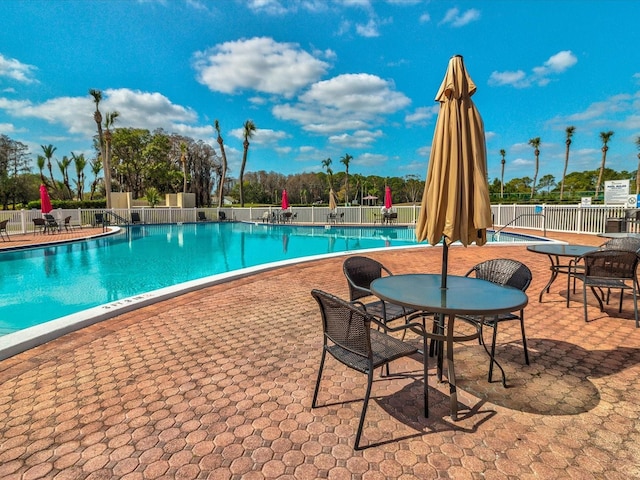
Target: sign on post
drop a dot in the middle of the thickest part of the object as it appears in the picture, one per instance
(616, 192)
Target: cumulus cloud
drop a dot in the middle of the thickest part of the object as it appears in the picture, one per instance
(370, 29)
(455, 18)
(422, 115)
(137, 109)
(541, 75)
(359, 139)
(344, 103)
(259, 64)
(16, 70)
(262, 136)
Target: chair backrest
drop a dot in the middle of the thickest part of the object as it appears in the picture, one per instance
(39, 222)
(360, 272)
(503, 271)
(344, 324)
(50, 219)
(222, 216)
(99, 218)
(3, 224)
(135, 217)
(625, 243)
(201, 216)
(67, 220)
(610, 264)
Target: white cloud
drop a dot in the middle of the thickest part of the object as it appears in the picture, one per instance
(454, 18)
(422, 115)
(260, 64)
(556, 64)
(359, 139)
(369, 30)
(137, 109)
(344, 103)
(7, 128)
(370, 160)
(16, 70)
(424, 18)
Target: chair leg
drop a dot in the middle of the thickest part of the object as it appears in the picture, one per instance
(524, 338)
(493, 351)
(315, 393)
(364, 409)
(584, 300)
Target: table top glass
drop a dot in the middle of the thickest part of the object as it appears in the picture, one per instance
(463, 295)
(561, 250)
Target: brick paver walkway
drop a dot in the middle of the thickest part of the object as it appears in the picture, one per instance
(218, 384)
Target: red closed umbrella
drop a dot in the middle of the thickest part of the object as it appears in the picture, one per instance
(387, 197)
(285, 200)
(45, 201)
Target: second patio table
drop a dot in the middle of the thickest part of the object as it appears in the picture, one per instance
(463, 296)
(556, 252)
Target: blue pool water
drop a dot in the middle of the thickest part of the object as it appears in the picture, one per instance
(42, 284)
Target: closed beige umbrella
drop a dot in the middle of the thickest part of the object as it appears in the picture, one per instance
(333, 205)
(455, 203)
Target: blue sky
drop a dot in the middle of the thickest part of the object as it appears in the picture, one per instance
(325, 78)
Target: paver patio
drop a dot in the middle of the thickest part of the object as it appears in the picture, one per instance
(218, 384)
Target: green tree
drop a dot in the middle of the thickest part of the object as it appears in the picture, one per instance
(152, 196)
(503, 161)
(326, 164)
(109, 122)
(97, 117)
(63, 165)
(569, 132)
(548, 182)
(80, 164)
(48, 151)
(40, 163)
(535, 143)
(604, 137)
(96, 168)
(183, 161)
(247, 132)
(346, 160)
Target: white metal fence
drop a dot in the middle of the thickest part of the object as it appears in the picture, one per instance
(558, 218)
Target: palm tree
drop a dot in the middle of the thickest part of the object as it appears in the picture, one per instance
(80, 163)
(48, 153)
(637, 142)
(96, 167)
(605, 137)
(97, 117)
(40, 162)
(326, 164)
(108, 123)
(345, 161)
(569, 131)
(247, 132)
(183, 160)
(223, 174)
(535, 143)
(63, 165)
(503, 161)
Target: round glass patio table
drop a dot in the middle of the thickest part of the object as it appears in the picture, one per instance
(560, 256)
(463, 296)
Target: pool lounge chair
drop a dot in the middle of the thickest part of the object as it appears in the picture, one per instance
(202, 217)
(3, 230)
(135, 218)
(68, 226)
(52, 223)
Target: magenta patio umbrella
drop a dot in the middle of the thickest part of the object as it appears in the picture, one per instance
(45, 201)
(285, 200)
(387, 197)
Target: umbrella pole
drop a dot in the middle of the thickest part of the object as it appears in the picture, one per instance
(445, 261)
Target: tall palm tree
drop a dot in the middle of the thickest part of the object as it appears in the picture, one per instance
(604, 137)
(503, 161)
(247, 132)
(183, 161)
(97, 117)
(108, 123)
(223, 174)
(535, 143)
(48, 151)
(326, 164)
(346, 160)
(569, 131)
(637, 142)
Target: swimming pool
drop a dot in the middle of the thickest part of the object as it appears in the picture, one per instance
(43, 284)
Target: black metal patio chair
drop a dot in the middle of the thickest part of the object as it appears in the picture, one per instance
(509, 273)
(349, 338)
